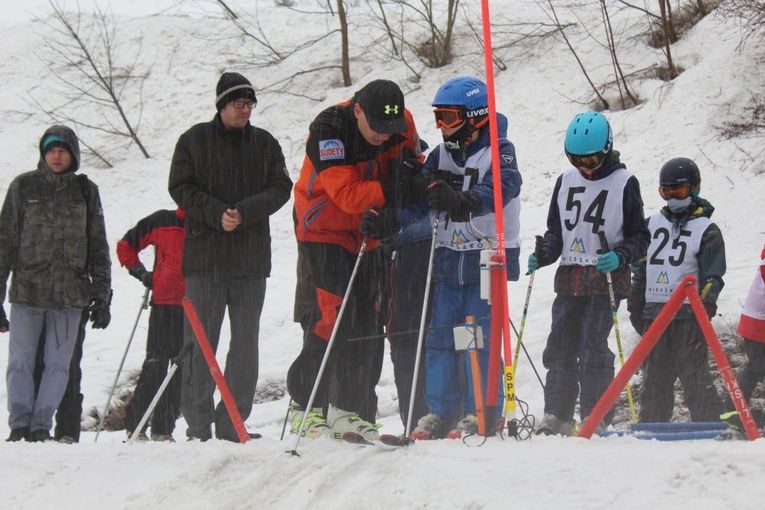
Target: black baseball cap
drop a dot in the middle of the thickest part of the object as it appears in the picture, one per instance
(383, 105)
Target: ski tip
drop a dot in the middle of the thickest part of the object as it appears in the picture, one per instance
(397, 441)
(355, 438)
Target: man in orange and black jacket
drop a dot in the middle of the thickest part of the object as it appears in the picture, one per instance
(360, 154)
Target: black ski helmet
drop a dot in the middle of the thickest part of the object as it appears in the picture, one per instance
(680, 172)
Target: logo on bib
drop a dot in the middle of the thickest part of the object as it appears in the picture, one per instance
(577, 246)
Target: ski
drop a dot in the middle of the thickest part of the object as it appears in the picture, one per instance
(385, 439)
(395, 441)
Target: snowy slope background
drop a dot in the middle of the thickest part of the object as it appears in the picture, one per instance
(539, 92)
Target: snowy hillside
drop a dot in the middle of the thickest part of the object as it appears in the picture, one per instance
(540, 91)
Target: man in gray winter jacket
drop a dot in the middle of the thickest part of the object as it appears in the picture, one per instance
(230, 177)
(54, 241)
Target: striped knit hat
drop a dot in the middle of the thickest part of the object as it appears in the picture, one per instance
(233, 86)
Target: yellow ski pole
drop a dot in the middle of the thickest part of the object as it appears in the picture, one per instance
(604, 245)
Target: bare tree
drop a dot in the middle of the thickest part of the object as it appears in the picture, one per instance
(435, 22)
(264, 53)
(84, 63)
(621, 81)
(750, 14)
(553, 15)
(345, 61)
(665, 24)
(702, 8)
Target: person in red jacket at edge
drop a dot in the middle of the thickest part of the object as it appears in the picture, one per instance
(163, 229)
(751, 326)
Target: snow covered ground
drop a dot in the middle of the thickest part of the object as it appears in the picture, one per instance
(540, 91)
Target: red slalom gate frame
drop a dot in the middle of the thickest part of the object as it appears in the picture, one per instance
(686, 289)
(225, 392)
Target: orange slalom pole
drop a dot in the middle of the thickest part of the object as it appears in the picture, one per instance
(475, 369)
(475, 365)
(225, 392)
(722, 364)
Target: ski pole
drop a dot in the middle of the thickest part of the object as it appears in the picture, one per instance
(177, 361)
(331, 341)
(604, 246)
(400, 333)
(528, 357)
(286, 417)
(144, 306)
(421, 334)
(523, 321)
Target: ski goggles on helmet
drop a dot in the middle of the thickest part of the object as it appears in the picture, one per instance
(448, 117)
(589, 161)
(682, 191)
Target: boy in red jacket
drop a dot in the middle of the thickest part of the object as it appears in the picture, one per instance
(164, 230)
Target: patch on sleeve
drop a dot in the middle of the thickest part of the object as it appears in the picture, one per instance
(331, 149)
(508, 158)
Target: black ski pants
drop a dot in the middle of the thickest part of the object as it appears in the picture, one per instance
(354, 365)
(408, 277)
(754, 371)
(164, 341)
(680, 353)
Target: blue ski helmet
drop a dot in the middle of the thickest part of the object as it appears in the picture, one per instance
(589, 133)
(469, 94)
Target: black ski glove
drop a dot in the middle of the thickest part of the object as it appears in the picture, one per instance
(139, 271)
(100, 317)
(405, 185)
(543, 259)
(379, 223)
(711, 309)
(459, 205)
(4, 324)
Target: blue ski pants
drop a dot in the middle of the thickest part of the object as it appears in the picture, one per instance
(448, 378)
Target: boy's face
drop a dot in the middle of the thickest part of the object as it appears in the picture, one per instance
(446, 132)
(58, 159)
(587, 164)
(590, 171)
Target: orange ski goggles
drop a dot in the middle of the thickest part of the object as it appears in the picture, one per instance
(683, 191)
(448, 117)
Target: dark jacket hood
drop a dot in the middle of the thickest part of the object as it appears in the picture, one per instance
(71, 140)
